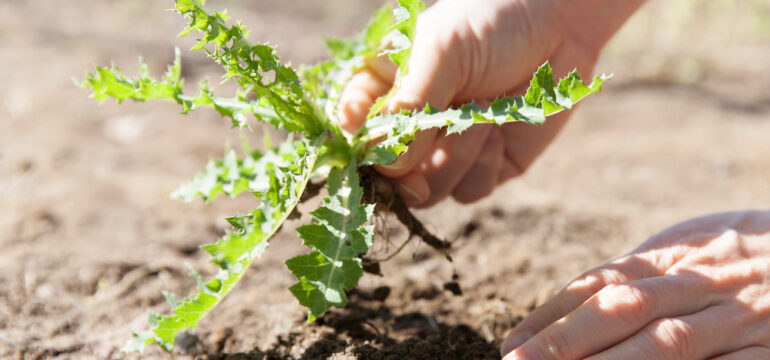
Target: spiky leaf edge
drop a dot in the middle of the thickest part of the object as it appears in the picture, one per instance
(542, 99)
(338, 236)
(234, 252)
(232, 175)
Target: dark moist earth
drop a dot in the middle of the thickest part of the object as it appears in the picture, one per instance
(89, 237)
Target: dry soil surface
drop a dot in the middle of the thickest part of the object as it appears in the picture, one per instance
(89, 237)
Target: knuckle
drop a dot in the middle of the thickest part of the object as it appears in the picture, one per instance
(555, 346)
(448, 40)
(629, 303)
(597, 279)
(612, 276)
(590, 282)
(676, 339)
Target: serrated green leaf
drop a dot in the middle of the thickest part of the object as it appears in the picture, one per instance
(378, 27)
(404, 30)
(325, 81)
(338, 236)
(378, 155)
(256, 68)
(323, 282)
(273, 93)
(111, 83)
(235, 251)
(232, 175)
(171, 299)
(543, 98)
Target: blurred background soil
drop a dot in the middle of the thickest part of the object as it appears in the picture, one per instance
(89, 237)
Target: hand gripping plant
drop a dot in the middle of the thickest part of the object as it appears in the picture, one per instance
(304, 103)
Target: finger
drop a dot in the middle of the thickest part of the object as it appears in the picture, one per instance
(482, 103)
(615, 313)
(359, 95)
(508, 169)
(625, 269)
(450, 159)
(412, 188)
(525, 142)
(748, 353)
(383, 67)
(432, 77)
(482, 177)
(418, 149)
(697, 336)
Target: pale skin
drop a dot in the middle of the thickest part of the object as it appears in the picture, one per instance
(468, 51)
(698, 290)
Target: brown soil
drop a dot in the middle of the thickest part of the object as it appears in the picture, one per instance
(89, 237)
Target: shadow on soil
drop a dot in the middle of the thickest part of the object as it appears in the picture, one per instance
(368, 329)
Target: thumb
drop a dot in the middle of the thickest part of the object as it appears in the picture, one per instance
(415, 92)
(432, 78)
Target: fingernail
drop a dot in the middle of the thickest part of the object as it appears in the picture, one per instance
(403, 100)
(413, 197)
(513, 357)
(513, 342)
(392, 166)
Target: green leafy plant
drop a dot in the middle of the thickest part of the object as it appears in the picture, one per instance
(304, 104)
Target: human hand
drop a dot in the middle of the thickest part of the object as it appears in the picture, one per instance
(470, 50)
(698, 290)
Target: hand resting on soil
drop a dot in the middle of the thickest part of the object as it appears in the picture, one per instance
(698, 290)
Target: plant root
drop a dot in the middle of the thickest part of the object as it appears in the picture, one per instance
(379, 190)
